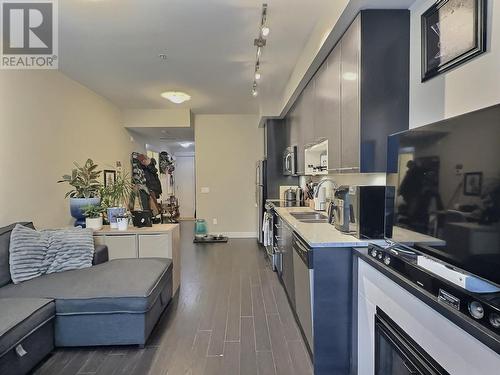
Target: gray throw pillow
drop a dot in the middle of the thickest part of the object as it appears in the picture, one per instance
(34, 253)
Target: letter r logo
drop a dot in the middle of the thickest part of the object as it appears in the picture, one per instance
(27, 28)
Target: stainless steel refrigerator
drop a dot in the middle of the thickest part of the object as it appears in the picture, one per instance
(260, 196)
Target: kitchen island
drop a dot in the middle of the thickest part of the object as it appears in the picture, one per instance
(316, 267)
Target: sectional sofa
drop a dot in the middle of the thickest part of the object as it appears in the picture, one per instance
(115, 302)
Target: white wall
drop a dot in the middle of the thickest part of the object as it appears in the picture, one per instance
(471, 86)
(47, 121)
(227, 149)
(185, 185)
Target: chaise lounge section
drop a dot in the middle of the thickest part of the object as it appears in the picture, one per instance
(114, 302)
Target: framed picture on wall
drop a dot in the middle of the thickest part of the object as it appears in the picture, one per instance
(473, 183)
(109, 177)
(453, 31)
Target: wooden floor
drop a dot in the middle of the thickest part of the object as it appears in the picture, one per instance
(231, 316)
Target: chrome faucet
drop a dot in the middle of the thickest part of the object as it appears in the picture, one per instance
(335, 186)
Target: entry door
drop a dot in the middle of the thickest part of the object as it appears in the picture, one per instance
(185, 185)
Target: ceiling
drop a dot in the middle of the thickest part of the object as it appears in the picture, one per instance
(165, 139)
(112, 47)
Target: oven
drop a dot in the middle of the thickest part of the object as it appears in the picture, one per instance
(273, 244)
(397, 354)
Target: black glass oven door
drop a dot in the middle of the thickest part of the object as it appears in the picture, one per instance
(397, 354)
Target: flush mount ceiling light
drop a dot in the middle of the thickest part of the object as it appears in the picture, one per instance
(176, 97)
(260, 43)
(185, 144)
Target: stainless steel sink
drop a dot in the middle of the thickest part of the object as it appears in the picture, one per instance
(310, 217)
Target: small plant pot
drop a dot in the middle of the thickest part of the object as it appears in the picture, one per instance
(122, 223)
(76, 205)
(113, 213)
(94, 223)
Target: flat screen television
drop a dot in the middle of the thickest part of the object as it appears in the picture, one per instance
(446, 179)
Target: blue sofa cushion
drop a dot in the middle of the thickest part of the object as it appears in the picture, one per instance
(20, 316)
(117, 286)
(4, 252)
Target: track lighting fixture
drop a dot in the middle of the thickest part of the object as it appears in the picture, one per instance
(260, 43)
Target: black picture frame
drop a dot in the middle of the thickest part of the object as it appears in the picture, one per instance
(473, 183)
(433, 51)
(109, 177)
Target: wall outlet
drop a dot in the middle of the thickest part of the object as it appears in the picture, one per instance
(214, 221)
(205, 190)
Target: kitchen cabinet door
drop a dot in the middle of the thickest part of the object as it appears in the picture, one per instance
(293, 124)
(155, 246)
(303, 300)
(287, 263)
(299, 129)
(308, 115)
(121, 246)
(327, 107)
(350, 94)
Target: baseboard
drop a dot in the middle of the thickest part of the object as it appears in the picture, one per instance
(240, 234)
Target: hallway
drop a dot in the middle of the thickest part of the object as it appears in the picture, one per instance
(231, 316)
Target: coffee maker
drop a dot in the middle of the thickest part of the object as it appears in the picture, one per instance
(343, 213)
(360, 210)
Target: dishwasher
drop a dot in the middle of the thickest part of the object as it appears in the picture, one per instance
(304, 287)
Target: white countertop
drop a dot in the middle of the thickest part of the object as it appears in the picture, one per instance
(155, 229)
(325, 235)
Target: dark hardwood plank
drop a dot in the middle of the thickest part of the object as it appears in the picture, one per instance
(262, 342)
(234, 308)
(77, 361)
(286, 316)
(248, 360)
(300, 358)
(267, 290)
(112, 365)
(218, 337)
(279, 345)
(58, 362)
(265, 363)
(246, 296)
(231, 359)
(200, 353)
(94, 361)
(213, 366)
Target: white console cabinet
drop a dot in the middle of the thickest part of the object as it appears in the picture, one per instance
(158, 241)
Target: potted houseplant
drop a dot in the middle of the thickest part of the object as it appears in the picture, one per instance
(115, 196)
(85, 184)
(93, 216)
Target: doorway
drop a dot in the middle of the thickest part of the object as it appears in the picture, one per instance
(185, 185)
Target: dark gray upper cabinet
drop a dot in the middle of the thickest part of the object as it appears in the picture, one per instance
(359, 95)
(306, 124)
(384, 85)
(350, 47)
(327, 119)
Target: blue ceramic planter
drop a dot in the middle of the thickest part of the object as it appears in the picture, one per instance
(76, 205)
